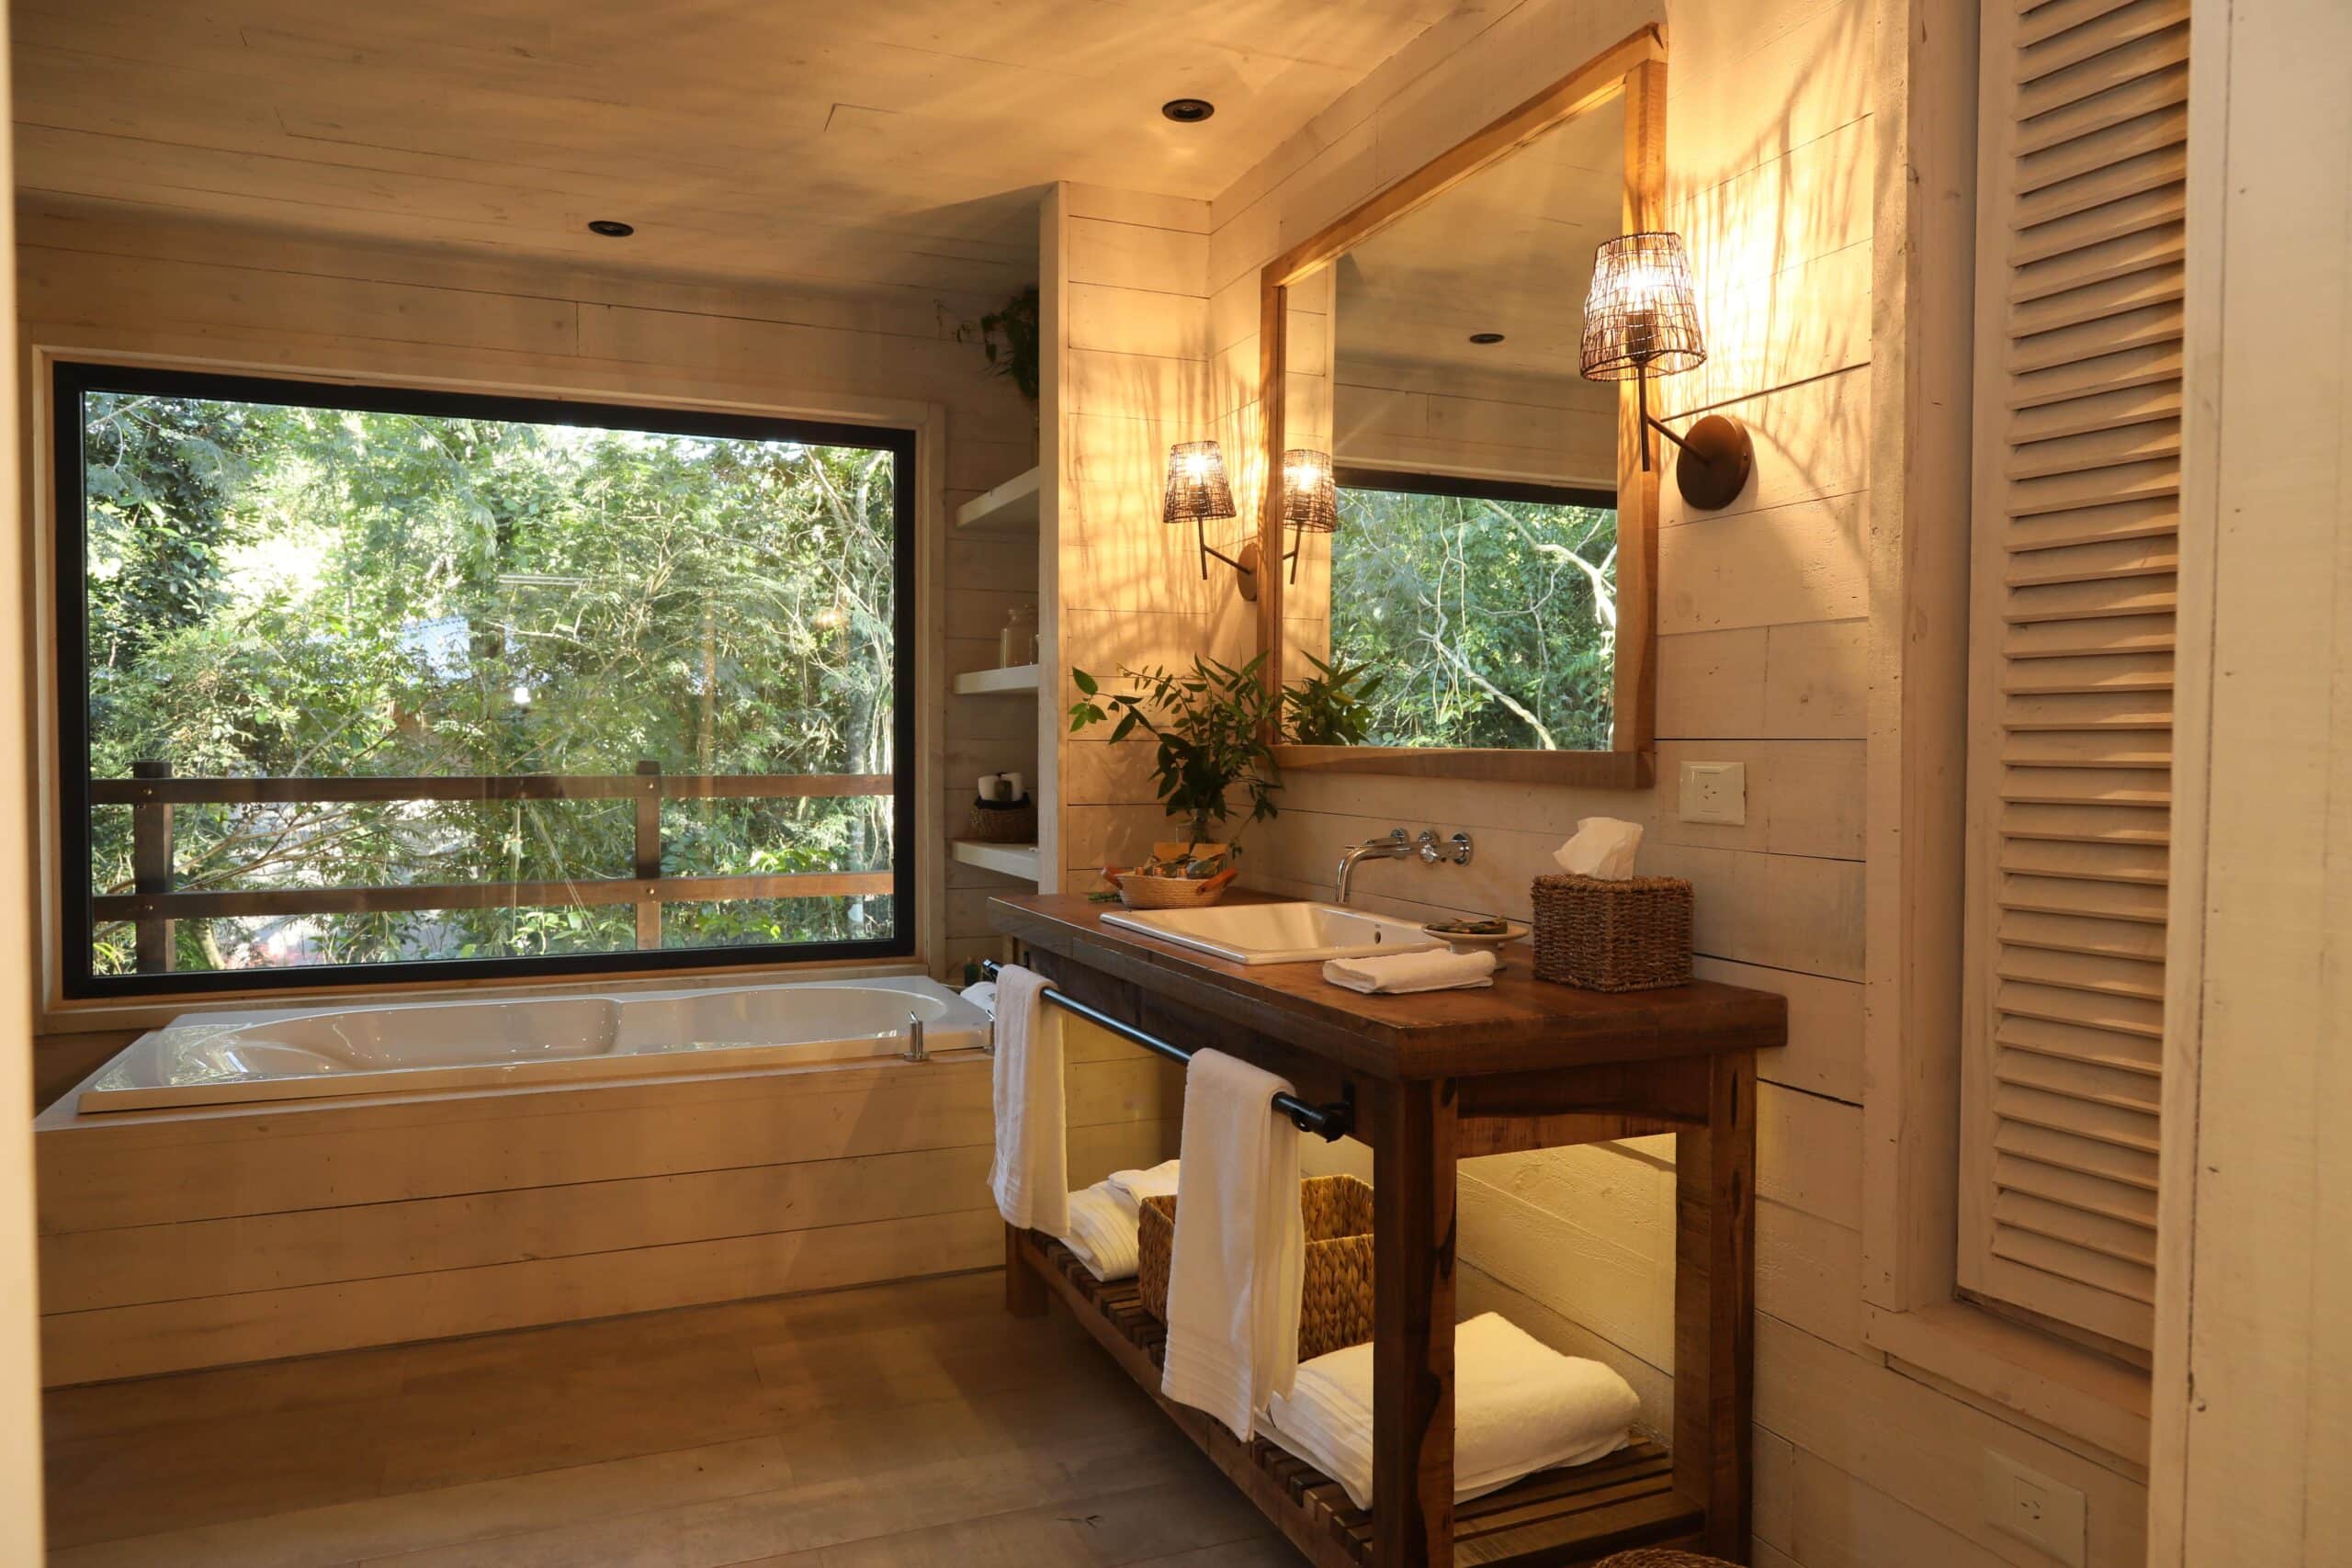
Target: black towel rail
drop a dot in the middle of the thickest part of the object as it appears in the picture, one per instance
(1329, 1123)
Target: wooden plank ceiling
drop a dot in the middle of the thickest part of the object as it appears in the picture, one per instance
(900, 142)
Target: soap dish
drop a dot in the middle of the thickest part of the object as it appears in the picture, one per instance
(1480, 941)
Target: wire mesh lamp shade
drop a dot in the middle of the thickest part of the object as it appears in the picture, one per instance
(1641, 316)
(1310, 492)
(1641, 319)
(1198, 491)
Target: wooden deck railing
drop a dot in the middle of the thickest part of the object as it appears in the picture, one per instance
(154, 903)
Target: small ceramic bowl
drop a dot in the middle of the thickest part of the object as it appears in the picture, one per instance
(1492, 941)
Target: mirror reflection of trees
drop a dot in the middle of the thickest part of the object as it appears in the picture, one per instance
(1492, 623)
(280, 591)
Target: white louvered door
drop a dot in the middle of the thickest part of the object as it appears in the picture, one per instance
(2076, 520)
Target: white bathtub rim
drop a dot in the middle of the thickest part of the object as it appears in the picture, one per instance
(961, 1030)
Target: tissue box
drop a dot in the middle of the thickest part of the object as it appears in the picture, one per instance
(1632, 935)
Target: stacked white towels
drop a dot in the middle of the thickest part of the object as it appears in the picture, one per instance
(1030, 1177)
(1518, 1406)
(1240, 1259)
(1106, 1220)
(1436, 970)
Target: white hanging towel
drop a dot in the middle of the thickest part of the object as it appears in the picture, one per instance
(1031, 1174)
(1239, 1257)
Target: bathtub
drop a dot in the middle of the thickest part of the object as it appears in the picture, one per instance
(352, 1048)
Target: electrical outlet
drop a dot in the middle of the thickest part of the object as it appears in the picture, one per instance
(2021, 1501)
(1714, 791)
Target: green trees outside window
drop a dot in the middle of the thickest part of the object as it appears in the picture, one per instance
(1490, 611)
(264, 580)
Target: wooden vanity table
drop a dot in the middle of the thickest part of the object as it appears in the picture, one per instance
(1433, 1078)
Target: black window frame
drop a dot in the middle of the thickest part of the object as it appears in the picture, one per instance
(71, 379)
(1414, 481)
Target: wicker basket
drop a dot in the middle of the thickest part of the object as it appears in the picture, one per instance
(1632, 935)
(1004, 821)
(1335, 1308)
(1139, 892)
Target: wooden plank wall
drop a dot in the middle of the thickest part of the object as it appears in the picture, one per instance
(1763, 615)
(1129, 273)
(92, 277)
(172, 1240)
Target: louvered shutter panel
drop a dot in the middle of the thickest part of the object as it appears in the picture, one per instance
(2076, 514)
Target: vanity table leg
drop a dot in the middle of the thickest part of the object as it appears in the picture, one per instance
(1412, 1381)
(1024, 1293)
(1715, 1306)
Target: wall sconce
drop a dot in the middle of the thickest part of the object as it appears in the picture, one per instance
(1640, 319)
(1198, 494)
(1310, 498)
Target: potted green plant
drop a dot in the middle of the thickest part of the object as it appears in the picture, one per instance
(1216, 726)
(1007, 340)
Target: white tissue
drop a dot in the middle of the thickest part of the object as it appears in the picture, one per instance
(1603, 847)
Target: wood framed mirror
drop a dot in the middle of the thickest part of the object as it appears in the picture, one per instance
(1496, 549)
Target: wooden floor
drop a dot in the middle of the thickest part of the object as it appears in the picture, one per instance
(894, 1427)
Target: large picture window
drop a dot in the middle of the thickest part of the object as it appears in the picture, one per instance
(363, 683)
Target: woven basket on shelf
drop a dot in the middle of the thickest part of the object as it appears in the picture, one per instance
(1660, 1557)
(1335, 1307)
(1003, 822)
(1139, 892)
(1632, 935)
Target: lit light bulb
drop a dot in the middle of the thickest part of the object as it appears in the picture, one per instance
(1196, 467)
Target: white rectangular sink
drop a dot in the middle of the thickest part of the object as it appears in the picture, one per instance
(1278, 933)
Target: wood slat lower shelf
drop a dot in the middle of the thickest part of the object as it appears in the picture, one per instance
(1557, 1516)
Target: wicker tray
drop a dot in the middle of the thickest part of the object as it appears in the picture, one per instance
(1335, 1308)
(1632, 935)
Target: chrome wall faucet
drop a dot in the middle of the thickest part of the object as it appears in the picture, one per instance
(1395, 845)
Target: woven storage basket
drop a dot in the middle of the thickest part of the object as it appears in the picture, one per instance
(1660, 1557)
(1003, 822)
(1632, 935)
(1335, 1308)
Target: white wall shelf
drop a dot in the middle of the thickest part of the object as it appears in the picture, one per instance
(1013, 682)
(1013, 504)
(1012, 860)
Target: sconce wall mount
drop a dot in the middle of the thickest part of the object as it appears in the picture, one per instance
(1641, 319)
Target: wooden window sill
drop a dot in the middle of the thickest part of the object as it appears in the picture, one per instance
(2006, 1367)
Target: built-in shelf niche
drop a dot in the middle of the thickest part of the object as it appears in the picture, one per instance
(1014, 681)
(1011, 859)
(1013, 504)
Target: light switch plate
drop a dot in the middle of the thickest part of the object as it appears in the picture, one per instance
(2023, 1501)
(1715, 792)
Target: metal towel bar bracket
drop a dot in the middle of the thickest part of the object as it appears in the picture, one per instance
(1329, 1123)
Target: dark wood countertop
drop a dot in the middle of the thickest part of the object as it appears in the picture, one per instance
(1519, 1024)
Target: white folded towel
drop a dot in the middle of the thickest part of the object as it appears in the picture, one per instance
(1436, 970)
(1239, 1258)
(1104, 1233)
(1031, 1174)
(1132, 1187)
(1518, 1406)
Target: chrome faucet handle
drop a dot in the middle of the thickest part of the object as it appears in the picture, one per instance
(1456, 849)
(915, 1051)
(1394, 836)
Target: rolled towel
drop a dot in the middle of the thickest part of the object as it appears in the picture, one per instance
(1132, 1187)
(1436, 970)
(1518, 1406)
(1104, 1233)
(1237, 1265)
(1030, 1178)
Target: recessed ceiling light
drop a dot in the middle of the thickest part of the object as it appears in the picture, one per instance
(1485, 337)
(1188, 111)
(611, 228)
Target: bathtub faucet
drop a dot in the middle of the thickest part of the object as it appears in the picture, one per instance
(915, 1052)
